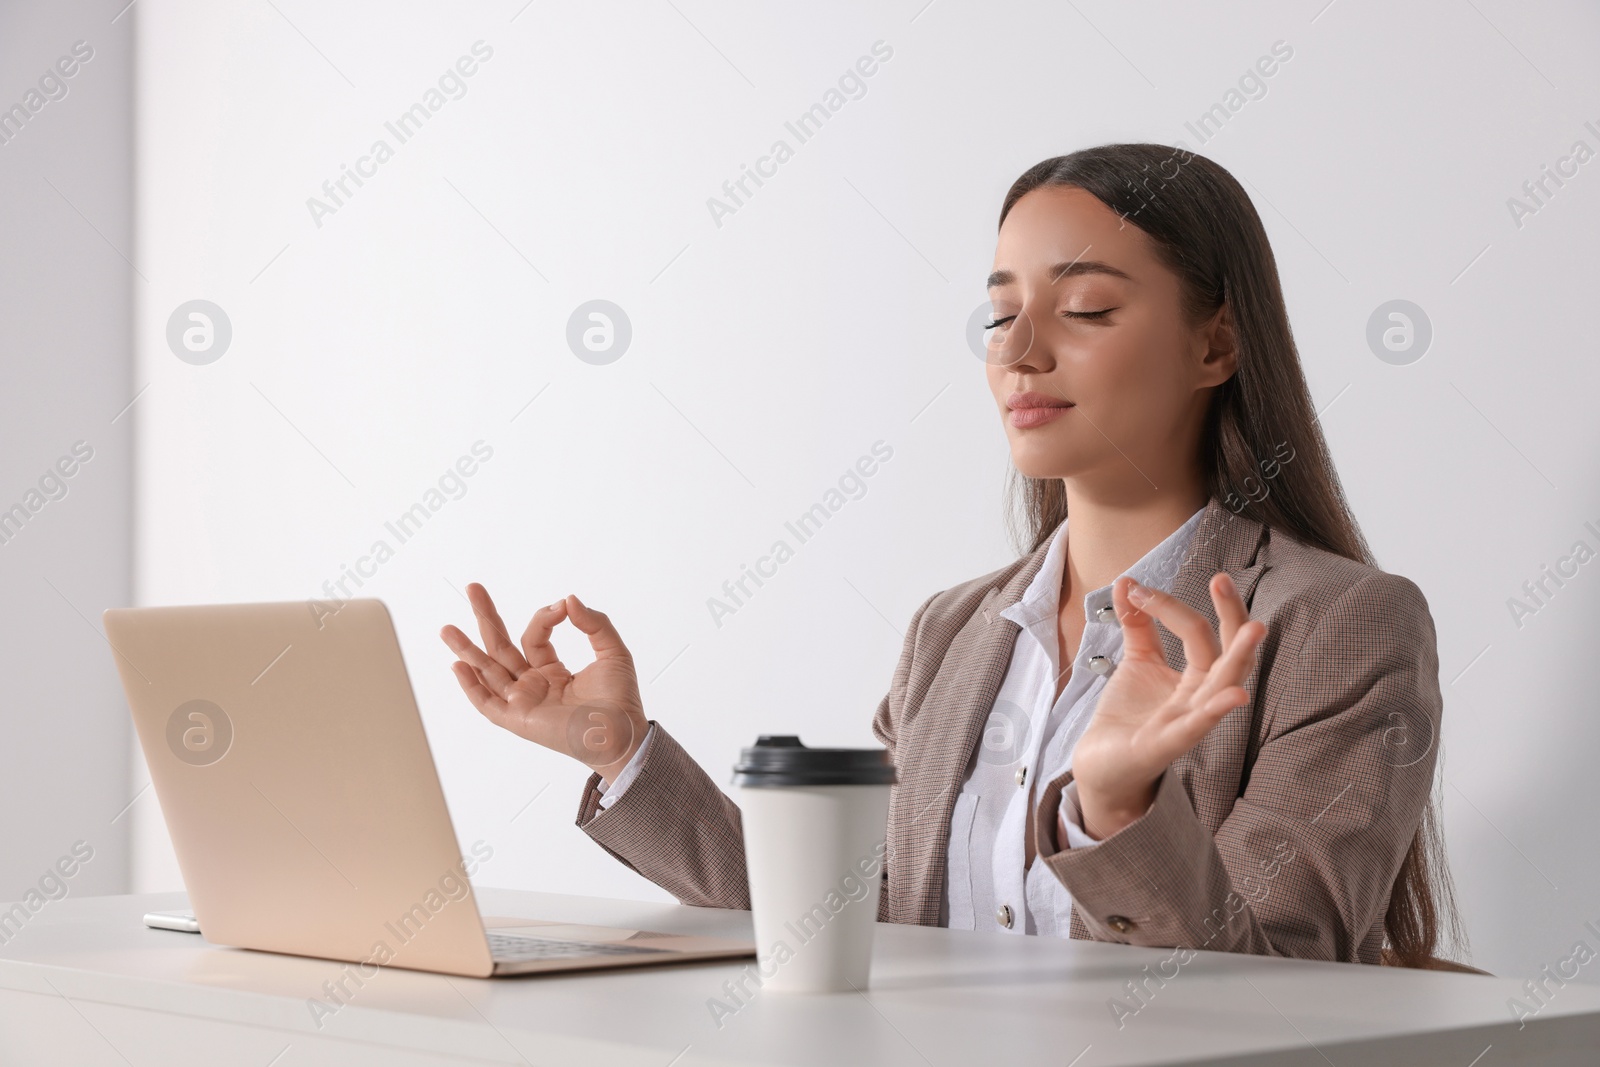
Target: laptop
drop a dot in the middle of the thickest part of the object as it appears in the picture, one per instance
(288, 754)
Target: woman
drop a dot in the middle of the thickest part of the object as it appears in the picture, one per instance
(1252, 775)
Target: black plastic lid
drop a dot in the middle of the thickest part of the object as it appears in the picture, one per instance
(779, 760)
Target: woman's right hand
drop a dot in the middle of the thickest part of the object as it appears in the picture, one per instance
(594, 716)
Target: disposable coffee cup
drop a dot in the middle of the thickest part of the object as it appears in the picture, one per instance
(814, 844)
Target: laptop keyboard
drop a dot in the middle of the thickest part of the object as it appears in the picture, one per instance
(511, 948)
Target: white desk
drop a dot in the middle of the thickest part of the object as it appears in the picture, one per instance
(84, 984)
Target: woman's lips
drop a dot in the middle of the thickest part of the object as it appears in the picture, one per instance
(1026, 418)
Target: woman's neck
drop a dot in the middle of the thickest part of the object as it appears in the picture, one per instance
(1106, 537)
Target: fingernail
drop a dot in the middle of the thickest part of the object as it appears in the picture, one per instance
(557, 604)
(1138, 594)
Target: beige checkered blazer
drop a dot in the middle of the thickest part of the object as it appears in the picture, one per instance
(1279, 833)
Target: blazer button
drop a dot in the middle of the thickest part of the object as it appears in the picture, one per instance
(1108, 613)
(1101, 665)
(1022, 775)
(1003, 916)
(1120, 923)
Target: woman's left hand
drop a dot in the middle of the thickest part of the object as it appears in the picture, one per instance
(1149, 714)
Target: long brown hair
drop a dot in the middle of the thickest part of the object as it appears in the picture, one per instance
(1206, 230)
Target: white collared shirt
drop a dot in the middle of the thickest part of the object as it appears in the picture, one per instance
(1029, 737)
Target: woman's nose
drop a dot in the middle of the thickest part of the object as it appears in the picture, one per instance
(1023, 345)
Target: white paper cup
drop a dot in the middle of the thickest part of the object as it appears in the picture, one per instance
(814, 824)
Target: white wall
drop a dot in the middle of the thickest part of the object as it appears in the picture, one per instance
(65, 379)
(372, 346)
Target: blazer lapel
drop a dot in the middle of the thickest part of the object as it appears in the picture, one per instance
(942, 737)
(1223, 541)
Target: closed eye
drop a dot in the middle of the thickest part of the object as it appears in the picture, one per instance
(1070, 314)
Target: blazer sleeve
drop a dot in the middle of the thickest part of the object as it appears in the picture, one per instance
(1304, 863)
(676, 827)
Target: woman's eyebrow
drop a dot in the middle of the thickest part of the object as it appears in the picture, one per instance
(1064, 270)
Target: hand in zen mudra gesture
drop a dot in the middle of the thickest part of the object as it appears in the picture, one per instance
(1149, 714)
(594, 716)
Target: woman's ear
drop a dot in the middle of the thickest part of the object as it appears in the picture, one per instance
(1219, 351)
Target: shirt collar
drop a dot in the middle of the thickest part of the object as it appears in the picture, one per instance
(1156, 569)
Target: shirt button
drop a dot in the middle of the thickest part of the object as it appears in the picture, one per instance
(1120, 923)
(1105, 613)
(1101, 665)
(1022, 775)
(1003, 916)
